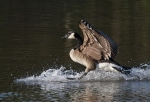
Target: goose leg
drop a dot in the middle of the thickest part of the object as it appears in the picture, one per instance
(88, 69)
(85, 73)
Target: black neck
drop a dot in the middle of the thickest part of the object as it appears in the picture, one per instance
(80, 41)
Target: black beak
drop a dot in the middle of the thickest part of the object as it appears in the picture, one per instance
(64, 36)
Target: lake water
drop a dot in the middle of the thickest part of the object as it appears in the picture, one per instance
(34, 60)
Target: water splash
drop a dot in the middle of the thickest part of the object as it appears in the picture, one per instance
(60, 75)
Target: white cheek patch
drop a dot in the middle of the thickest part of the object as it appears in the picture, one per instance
(71, 36)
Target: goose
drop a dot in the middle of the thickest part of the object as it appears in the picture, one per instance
(95, 50)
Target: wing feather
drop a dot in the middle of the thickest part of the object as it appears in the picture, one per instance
(96, 44)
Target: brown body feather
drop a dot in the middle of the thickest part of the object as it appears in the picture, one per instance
(83, 59)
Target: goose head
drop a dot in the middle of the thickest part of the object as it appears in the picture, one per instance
(74, 35)
(70, 35)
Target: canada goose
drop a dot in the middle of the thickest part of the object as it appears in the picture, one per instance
(96, 50)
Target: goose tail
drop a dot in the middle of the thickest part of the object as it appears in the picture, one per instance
(114, 66)
(123, 69)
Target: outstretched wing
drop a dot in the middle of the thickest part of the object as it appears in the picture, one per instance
(97, 44)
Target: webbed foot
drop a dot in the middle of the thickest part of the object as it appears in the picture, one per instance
(78, 77)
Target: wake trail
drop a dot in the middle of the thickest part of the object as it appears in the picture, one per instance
(60, 75)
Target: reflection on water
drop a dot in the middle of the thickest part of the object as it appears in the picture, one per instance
(81, 92)
(30, 43)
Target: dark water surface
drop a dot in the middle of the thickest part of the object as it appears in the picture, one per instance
(32, 52)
